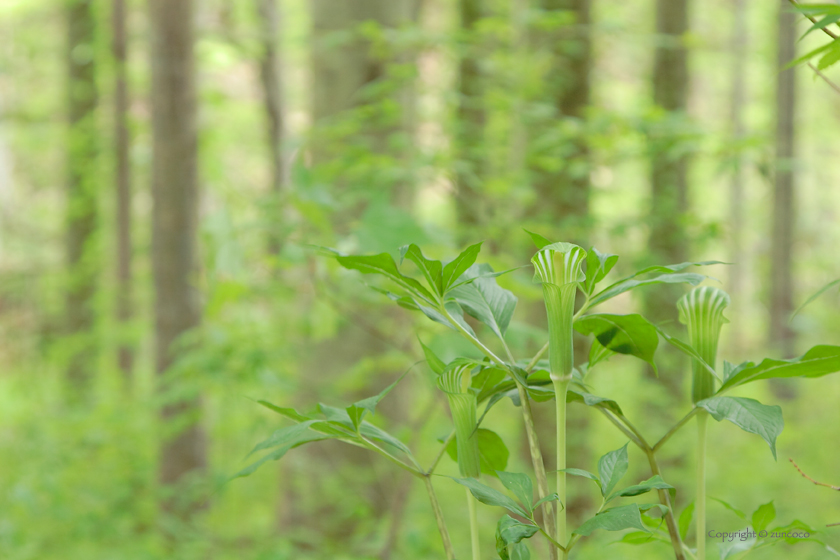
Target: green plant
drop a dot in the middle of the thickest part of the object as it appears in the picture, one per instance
(450, 290)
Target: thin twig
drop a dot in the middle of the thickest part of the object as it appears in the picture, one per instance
(833, 86)
(811, 479)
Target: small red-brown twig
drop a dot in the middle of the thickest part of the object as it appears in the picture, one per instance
(818, 484)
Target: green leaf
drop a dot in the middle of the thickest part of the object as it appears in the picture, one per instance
(598, 265)
(384, 264)
(653, 483)
(613, 519)
(509, 531)
(493, 453)
(749, 415)
(453, 270)
(491, 497)
(576, 395)
(358, 410)
(687, 350)
(816, 362)
(822, 24)
(640, 537)
(538, 239)
(279, 453)
(800, 527)
(553, 497)
(685, 520)
(431, 269)
(611, 467)
(819, 292)
(582, 473)
(831, 57)
(340, 417)
(624, 334)
(520, 485)
(729, 370)
(485, 300)
(668, 274)
(809, 55)
(284, 436)
(435, 363)
(520, 551)
(731, 508)
(763, 516)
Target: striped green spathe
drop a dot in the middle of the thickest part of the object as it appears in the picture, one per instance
(701, 310)
(558, 267)
(455, 382)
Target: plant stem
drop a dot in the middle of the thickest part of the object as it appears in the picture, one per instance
(537, 460)
(471, 504)
(665, 499)
(560, 388)
(700, 499)
(675, 428)
(444, 533)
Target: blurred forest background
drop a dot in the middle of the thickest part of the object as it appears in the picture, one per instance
(165, 167)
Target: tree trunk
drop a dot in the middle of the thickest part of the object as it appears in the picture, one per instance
(668, 242)
(781, 282)
(82, 214)
(272, 85)
(174, 217)
(564, 192)
(736, 188)
(469, 136)
(123, 184)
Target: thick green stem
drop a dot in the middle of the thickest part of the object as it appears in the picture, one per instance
(537, 460)
(700, 500)
(560, 388)
(474, 543)
(444, 532)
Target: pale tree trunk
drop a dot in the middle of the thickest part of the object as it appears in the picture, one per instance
(272, 85)
(736, 188)
(123, 184)
(668, 243)
(469, 144)
(82, 214)
(781, 280)
(564, 193)
(174, 236)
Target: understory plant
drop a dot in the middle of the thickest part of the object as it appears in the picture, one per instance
(447, 291)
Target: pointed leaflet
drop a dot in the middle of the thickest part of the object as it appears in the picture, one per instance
(816, 362)
(819, 292)
(623, 334)
(520, 485)
(730, 507)
(538, 239)
(749, 415)
(384, 264)
(669, 274)
(763, 516)
(611, 467)
(583, 473)
(576, 395)
(687, 350)
(653, 483)
(598, 265)
(435, 363)
(285, 436)
(431, 269)
(493, 453)
(685, 520)
(491, 497)
(278, 454)
(453, 270)
(340, 417)
(485, 300)
(359, 409)
(614, 519)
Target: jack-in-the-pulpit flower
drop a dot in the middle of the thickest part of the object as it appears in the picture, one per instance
(558, 267)
(455, 382)
(701, 310)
